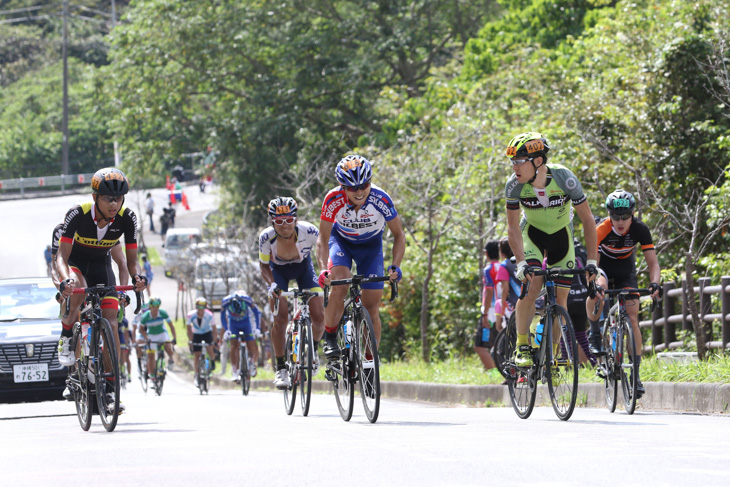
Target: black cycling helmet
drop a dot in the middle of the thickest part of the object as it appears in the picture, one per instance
(620, 202)
(110, 181)
(282, 206)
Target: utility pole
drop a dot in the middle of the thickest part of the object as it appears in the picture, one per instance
(64, 161)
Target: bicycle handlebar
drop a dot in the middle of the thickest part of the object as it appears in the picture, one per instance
(627, 291)
(296, 293)
(359, 279)
(100, 289)
(551, 273)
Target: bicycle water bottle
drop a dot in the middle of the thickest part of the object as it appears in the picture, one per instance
(348, 333)
(613, 338)
(538, 333)
(295, 346)
(85, 337)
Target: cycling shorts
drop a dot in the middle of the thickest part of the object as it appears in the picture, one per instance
(578, 316)
(96, 270)
(368, 257)
(557, 247)
(620, 274)
(478, 342)
(159, 338)
(302, 272)
(236, 327)
(199, 338)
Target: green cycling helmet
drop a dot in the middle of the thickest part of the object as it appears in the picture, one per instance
(528, 144)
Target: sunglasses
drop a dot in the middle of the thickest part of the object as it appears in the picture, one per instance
(110, 199)
(281, 221)
(358, 187)
(155, 303)
(200, 306)
(623, 217)
(519, 162)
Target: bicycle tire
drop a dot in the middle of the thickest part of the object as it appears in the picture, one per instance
(123, 376)
(306, 351)
(107, 379)
(561, 368)
(366, 344)
(82, 390)
(290, 393)
(344, 384)
(608, 363)
(245, 372)
(142, 373)
(521, 383)
(629, 369)
(201, 373)
(160, 370)
(499, 351)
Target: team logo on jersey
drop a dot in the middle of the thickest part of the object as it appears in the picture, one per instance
(571, 183)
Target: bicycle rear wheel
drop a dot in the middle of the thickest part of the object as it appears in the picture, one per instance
(629, 369)
(522, 383)
(499, 351)
(290, 393)
(306, 352)
(81, 387)
(160, 370)
(368, 364)
(609, 366)
(245, 371)
(343, 370)
(107, 377)
(561, 368)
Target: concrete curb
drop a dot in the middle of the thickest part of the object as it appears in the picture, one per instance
(687, 397)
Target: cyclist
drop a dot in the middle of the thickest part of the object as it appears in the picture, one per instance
(152, 327)
(285, 254)
(483, 343)
(353, 218)
(240, 314)
(618, 236)
(90, 231)
(125, 337)
(544, 192)
(201, 328)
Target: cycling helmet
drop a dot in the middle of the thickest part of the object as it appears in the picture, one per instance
(155, 301)
(353, 170)
(201, 301)
(529, 144)
(282, 206)
(620, 202)
(109, 181)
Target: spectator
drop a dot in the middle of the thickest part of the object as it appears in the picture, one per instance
(508, 286)
(147, 268)
(170, 212)
(150, 205)
(483, 338)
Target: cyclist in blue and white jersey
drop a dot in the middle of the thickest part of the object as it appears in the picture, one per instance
(354, 216)
(201, 328)
(285, 255)
(240, 314)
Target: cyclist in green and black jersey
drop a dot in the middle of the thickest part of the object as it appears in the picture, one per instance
(544, 192)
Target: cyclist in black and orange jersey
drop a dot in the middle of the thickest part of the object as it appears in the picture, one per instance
(618, 236)
(90, 231)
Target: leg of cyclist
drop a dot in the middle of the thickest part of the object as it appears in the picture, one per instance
(233, 346)
(278, 341)
(66, 356)
(594, 315)
(333, 311)
(633, 307)
(253, 354)
(371, 300)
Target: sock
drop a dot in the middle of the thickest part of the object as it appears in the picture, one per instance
(66, 330)
(522, 340)
(280, 363)
(595, 327)
(582, 338)
(316, 345)
(330, 329)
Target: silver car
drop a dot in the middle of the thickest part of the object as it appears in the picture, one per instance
(29, 331)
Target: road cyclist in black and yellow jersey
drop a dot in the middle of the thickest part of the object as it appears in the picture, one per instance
(541, 198)
(90, 231)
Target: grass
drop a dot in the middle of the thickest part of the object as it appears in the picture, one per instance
(153, 256)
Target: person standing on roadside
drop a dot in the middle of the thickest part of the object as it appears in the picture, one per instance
(483, 338)
(150, 209)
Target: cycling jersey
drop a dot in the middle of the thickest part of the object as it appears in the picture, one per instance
(246, 322)
(56, 240)
(489, 278)
(546, 209)
(155, 325)
(507, 277)
(361, 226)
(614, 247)
(306, 238)
(201, 325)
(90, 241)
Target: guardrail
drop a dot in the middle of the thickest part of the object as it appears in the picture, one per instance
(45, 182)
(664, 320)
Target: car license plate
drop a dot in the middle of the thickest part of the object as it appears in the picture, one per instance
(30, 373)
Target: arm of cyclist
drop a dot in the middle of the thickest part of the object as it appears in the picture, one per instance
(514, 235)
(591, 238)
(487, 296)
(655, 272)
(118, 257)
(323, 251)
(399, 248)
(67, 283)
(172, 329)
(139, 281)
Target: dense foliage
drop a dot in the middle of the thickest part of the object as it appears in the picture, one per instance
(632, 94)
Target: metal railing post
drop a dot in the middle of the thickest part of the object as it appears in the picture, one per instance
(669, 335)
(725, 309)
(686, 323)
(705, 307)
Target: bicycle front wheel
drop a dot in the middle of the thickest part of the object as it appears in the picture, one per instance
(142, 372)
(290, 393)
(202, 374)
(106, 376)
(608, 365)
(521, 383)
(561, 369)
(343, 370)
(629, 368)
(368, 364)
(306, 350)
(81, 387)
(245, 372)
(160, 371)
(499, 351)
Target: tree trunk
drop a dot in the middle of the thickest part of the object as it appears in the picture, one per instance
(425, 342)
(692, 304)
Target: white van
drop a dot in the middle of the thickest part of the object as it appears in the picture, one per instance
(178, 258)
(216, 276)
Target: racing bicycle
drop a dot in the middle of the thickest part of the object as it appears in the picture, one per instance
(359, 360)
(617, 362)
(203, 371)
(244, 371)
(160, 371)
(554, 354)
(97, 364)
(299, 350)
